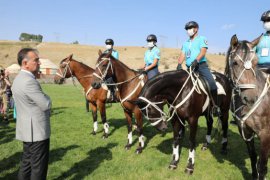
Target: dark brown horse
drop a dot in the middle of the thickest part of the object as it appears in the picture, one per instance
(97, 97)
(187, 102)
(129, 84)
(252, 100)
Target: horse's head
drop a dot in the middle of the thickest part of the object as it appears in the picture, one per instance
(104, 69)
(241, 67)
(64, 70)
(153, 111)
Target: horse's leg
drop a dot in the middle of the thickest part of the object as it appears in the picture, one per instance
(193, 123)
(264, 153)
(129, 126)
(224, 121)
(209, 122)
(94, 114)
(102, 110)
(178, 135)
(253, 157)
(139, 120)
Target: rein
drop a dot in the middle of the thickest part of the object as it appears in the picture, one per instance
(173, 108)
(103, 75)
(63, 74)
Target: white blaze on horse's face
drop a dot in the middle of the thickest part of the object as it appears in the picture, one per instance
(243, 60)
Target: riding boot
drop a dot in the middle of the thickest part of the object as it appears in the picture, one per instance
(216, 110)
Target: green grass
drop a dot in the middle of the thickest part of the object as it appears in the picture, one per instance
(75, 154)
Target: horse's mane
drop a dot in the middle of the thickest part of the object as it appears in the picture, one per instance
(118, 61)
(84, 66)
(170, 75)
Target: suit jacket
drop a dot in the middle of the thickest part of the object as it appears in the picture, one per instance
(32, 107)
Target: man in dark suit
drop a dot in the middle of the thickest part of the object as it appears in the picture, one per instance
(33, 117)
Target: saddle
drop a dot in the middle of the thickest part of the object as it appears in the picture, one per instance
(204, 86)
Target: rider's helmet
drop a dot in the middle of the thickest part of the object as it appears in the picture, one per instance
(151, 38)
(191, 24)
(109, 42)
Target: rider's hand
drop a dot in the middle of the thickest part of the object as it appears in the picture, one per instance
(179, 67)
(195, 65)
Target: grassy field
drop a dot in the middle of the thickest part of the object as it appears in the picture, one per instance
(75, 154)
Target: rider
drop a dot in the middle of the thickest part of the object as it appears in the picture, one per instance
(263, 47)
(194, 51)
(109, 47)
(151, 57)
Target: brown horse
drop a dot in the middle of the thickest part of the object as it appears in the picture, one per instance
(251, 102)
(187, 101)
(129, 84)
(97, 97)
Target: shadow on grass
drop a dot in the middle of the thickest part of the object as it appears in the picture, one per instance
(57, 110)
(90, 163)
(7, 134)
(11, 162)
(237, 150)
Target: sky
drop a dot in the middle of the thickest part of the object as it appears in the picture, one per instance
(129, 22)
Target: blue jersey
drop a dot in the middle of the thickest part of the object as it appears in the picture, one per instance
(263, 49)
(192, 49)
(115, 54)
(150, 55)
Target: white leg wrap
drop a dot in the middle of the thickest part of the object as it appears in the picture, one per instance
(176, 153)
(141, 140)
(106, 127)
(191, 156)
(224, 140)
(95, 126)
(130, 138)
(208, 138)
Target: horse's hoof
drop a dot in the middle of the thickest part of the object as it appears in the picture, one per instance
(224, 151)
(105, 136)
(204, 147)
(93, 133)
(127, 147)
(173, 165)
(138, 150)
(189, 171)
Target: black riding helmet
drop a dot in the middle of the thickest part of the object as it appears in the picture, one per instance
(109, 41)
(151, 38)
(191, 24)
(266, 16)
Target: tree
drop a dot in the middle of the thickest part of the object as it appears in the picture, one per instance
(30, 37)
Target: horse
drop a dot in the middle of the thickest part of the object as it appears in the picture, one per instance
(251, 104)
(71, 68)
(187, 101)
(129, 84)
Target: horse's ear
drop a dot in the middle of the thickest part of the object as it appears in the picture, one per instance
(99, 52)
(234, 41)
(256, 41)
(69, 57)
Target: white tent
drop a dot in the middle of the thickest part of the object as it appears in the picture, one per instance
(13, 69)
(47, 67)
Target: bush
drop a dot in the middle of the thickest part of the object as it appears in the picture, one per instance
(30, 37)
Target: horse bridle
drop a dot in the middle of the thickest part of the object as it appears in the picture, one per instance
(103, 75)
(247, 66)
(62, 74)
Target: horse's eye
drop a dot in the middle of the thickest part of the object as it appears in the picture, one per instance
(104, 65)
(235, 63)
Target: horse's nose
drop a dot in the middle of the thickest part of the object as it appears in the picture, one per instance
(96, 85)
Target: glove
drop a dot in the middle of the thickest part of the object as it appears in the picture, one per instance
(142, 71)
(179, 67)
(195, 65)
